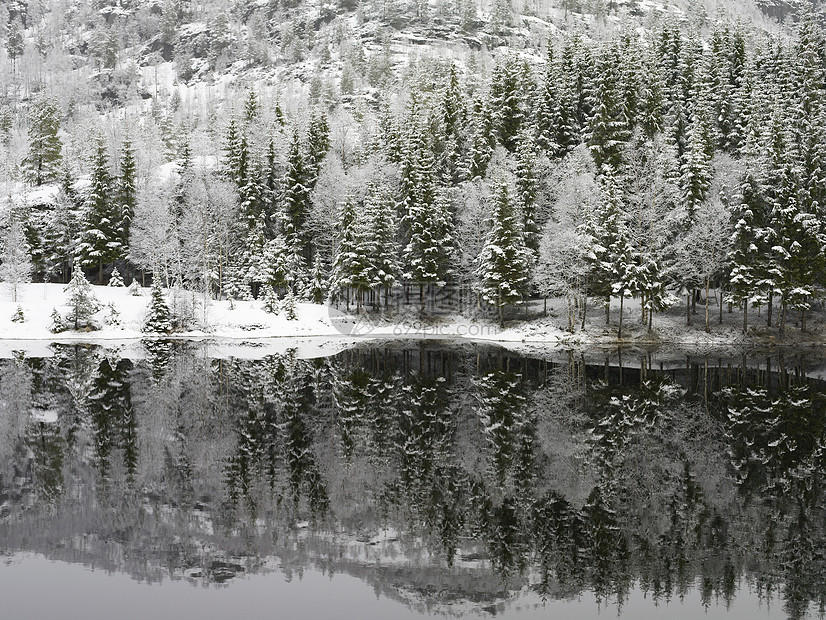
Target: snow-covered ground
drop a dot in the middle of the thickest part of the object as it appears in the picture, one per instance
(321, 330)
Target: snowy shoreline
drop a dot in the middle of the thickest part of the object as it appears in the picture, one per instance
(224, 324)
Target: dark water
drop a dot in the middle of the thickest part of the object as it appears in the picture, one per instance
(410, 481)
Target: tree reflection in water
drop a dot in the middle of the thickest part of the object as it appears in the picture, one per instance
(449, 473)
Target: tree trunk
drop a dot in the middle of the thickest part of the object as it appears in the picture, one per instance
(608, 311)
(584, 310)
(501, 311)
(707, 329)
(745, 316)
(803, 319)
(769, 310)
(782, 330)
(100, 272)
(720, 322)
(688, 308)
(619, 331)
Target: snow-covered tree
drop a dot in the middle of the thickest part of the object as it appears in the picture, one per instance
(16, 267)
(296, 199)
(116, 280)
(290, 306)
(82, 303)
(428, 255)
(127, 195)
(42, 164)
(158, 317)
(504, 265)
(100, 242)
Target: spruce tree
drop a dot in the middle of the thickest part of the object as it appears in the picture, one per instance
(747, 256)
(100, 242)
(318, 282)
(352, 264)
(505, 262)
(116, 280)
(428, 255)
(453, 105)
(42, 164)
(290, 310)
(296, 198)
(555, 122)
(81, 301)
(482, 141)
(271, 301)
(695, 172)
(527, 185)
(318, 143)
(607, 127)
(506, 92)
(236, 158)
(127, 196)
(386, 267)
(158, 318)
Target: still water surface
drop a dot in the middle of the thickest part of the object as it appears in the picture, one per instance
(411, 481)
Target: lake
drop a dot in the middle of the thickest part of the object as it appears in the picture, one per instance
(411, 480)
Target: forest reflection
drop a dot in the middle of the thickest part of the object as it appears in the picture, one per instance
(439, 474)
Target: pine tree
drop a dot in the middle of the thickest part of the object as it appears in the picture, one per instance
(296, 198)
(318, 143)
(604, 229)
(15, 43)
(555, 122)
(482, 141)
(318, 282)
(527, 185)
(251, 107)
(695, 173)
(81, 301)
(607, 128)
(290, 307)
(352, 263)
(271, 301)
(453, 105)
(747, 255)
(158, 318)
(284, 264)
(127, 197)
(428, 255)
(505, 262)
(116, 280)
(58, 322)
(236, 158)
(42, 164)
(100, 241)
(506, 92)
(63, 227)
(270, 187)
(386, 267)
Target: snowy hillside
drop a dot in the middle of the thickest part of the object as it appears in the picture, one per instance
(456, 159)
